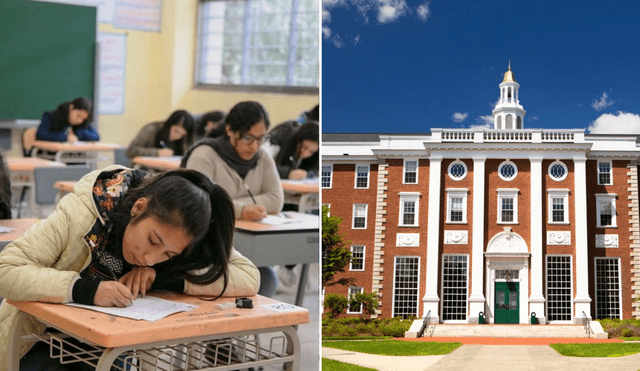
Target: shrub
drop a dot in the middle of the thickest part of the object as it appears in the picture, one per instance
(336, 304)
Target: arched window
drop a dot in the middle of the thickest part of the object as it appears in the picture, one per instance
(509, 122)
(519, 122)
(499, 121)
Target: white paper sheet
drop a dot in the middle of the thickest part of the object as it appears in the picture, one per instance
(281, 218)
(5, 229)
(149, 308)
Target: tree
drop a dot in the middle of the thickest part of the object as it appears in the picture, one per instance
(335, 255)
(369, 302)
(336, 303)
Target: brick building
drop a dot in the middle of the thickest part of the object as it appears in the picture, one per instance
(504, 221)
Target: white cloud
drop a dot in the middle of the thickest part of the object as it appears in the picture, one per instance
(337, 41)
(623, 123)
(423, 12)
(601, 104)
(459, 116)
(390, 10)
(486, 120)
(483, 126)
(356, 40)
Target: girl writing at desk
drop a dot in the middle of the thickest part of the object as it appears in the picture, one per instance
(70, 122)
(171, 137)
(298, 155)
(120, 233)
(232, 157)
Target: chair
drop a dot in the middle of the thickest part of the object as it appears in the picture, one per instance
(120, 157)
(45, 177)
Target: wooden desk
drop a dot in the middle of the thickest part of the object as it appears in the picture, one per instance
(179, 337)
(18, 225)
(303, 192)
(157, 163)
(63, 187)
(64, 151)
(284, 244)
(22, 174)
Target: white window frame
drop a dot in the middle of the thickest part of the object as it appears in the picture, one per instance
(353, 219)
(610, 171)
(417, 288)
(554, 194)
(457, 193)
(364, 249)
(409, 197)
(442, 293)
(322, 176)
(355, 183)
(458, 162)
(328, 207)
(404, 170)
(547, 295)
(352, 292)
(602, 198)
(508, 193)
(595, 275)
(566, 170)
(503, 164)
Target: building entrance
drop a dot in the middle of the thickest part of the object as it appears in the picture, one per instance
(507, 304)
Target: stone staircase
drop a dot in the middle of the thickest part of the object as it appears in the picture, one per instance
(512, 331)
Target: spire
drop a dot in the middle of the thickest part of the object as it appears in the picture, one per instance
(508, 76)
(508, 113)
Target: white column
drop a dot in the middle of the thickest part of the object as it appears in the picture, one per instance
(582, 300)
(431, 301)
(536, 300)
(477, 299)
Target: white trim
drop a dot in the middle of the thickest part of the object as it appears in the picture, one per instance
(466, 170)
(349, 294)
(602, 198)
(595, 279)
(442, 290)
(330, 166)
(562, 194)
(404, 169)
(610, 171)
(353, 216)
(503, 164)
(457, 193)
(504, 193)
(546, 291)
(364, 250)
(355, 180)
(393, 296)
(328, 207)
(409, 197)
(566, 170)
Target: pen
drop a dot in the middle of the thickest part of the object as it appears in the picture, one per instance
(248, 190)
(163, 144)
(93, 246)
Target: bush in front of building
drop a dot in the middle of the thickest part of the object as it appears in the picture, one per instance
(617, 328)
(365, 327)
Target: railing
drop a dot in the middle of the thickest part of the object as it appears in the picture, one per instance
(458, 136)
(587, 325)
(507, 136)
(425, 324)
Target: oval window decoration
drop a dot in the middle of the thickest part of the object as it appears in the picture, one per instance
(457, 170)
(507, 171)
(558, 171)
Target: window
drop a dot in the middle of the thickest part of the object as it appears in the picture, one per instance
(327, 170)
(558, 206)
(405, 286)
(507, 171)
(558, 171)
(359, 216)
(604, 172)
(353, 291)
(454, 287)
(559, 284)
(457, 205)
(357, 258)
(507, 206)
(606, 210)
(410, 171)
(457, 170)
(409, 202)
(608, 299)
(362, 176)
(261, 45)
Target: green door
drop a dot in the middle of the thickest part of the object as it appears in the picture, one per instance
(507, 302)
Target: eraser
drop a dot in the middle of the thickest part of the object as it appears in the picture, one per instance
(225, 305)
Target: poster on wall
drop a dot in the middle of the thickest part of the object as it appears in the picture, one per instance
(113, 60)
(105, 7)
(144, 15)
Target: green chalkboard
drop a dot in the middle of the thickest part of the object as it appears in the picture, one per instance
(47, 56)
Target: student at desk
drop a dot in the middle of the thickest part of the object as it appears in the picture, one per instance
(171, 137)
(121, 233)
(298, 156)
(70, 122)
(232, 157)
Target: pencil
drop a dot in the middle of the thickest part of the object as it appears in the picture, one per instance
(248, 190)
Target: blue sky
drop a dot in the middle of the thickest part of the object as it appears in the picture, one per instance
(408, 66)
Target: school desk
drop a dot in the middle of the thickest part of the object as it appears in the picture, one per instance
(18, 226)
(303, 192)
(64, 187)
(283, 244)
(79, 152)
(157, 163)
(165, 343)
(22, 170)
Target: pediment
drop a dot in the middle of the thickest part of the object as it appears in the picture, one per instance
(507, 243)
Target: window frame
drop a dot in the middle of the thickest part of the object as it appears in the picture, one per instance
(547, 288)
(505, 163)
(395, 295)
(557, 194)
(360, 290)
(457, 193)
(246, 88)
(602, 198)
(598, 304)
(566, 171)
(456, 162)
(409, 197)
(364, 249)
(322, 176)
(504, 193)
(404, 170)
(353, 219)
(355, 183)
(454, 287)
(610, 173)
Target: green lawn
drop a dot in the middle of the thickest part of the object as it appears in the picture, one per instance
(394, 347)
(597, 350)
(330, 365)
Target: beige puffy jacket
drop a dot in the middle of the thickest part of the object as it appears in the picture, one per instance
(44, 263)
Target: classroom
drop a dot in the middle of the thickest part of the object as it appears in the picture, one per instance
(139, 61)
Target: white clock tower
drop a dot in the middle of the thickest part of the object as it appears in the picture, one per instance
(508, 113)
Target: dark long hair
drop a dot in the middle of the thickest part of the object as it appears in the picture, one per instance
(182, 118)
(242, 117)
(213, 116)
(189, 199)
(62, 111)
(309, 131)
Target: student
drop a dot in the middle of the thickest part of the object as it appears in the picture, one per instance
(70, 122)
(120, 233)
(208, 122)
(298, 157)
(164, 138)
(232, 157)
